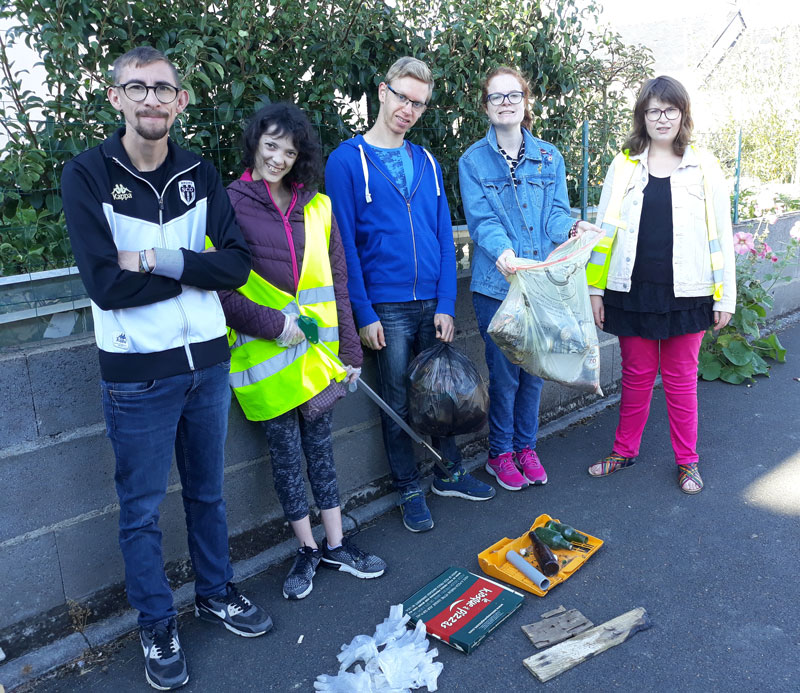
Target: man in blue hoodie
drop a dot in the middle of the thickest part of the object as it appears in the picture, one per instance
(388, 198)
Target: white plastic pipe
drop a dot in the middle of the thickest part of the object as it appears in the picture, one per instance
(528, 570)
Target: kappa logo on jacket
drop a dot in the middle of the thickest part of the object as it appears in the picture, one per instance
(186, 190)
(120, 192)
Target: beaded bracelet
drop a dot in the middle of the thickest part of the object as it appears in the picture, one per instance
(574, 230)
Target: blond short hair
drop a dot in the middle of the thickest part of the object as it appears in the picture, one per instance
(410, 67)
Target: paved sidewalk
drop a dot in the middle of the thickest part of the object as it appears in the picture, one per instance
(716, 572)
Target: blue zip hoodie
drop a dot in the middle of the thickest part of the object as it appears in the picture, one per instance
(397, 249)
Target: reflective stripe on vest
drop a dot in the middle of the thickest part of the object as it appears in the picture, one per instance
(624, 168)
(269, 380)
(599, 260)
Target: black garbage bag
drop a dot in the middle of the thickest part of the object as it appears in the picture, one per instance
(446, 394)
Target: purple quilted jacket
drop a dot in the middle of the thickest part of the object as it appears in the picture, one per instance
(264, 230)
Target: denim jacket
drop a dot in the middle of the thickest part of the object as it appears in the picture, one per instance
(691, 260)
(531, 218)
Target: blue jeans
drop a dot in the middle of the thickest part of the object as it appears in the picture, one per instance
(408, 328)
(513, 393)
(145, 421)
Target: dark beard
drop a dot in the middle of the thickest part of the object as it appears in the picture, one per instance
(153, 135)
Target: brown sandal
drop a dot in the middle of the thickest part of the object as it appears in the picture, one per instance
(688, 474)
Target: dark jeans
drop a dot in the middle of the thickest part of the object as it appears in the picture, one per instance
(513, 393)
(289, 436)
(408, 328)
(145, 421)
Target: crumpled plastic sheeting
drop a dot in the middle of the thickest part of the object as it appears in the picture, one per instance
(405, 663)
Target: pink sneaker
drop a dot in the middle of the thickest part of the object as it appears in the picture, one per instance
(502, 468)
(530, 466)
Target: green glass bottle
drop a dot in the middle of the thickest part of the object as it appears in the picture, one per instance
(569, 533)
(552, 538)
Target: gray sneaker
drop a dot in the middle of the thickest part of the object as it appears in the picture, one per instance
(164, 661)
(349, 558)
(234, 611)
(300, 580)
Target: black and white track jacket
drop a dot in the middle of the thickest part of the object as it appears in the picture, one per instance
(149, 326)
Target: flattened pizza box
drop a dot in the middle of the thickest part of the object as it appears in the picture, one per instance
(461, 608)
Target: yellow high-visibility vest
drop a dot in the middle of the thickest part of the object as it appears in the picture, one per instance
(269, 380)
(624, 168)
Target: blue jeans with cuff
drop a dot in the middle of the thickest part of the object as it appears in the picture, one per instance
(408, 329)
(514, 394)
(146, 421)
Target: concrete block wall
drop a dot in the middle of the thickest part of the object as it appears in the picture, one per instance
(58, 515)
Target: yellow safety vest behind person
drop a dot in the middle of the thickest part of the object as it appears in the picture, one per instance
(269, 380)
(624, 168)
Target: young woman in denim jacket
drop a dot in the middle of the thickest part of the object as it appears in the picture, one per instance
(659, 293)
(514, 192)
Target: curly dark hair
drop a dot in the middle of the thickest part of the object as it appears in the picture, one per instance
(285, 119)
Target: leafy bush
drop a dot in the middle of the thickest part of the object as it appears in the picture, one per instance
(326, 56)
(739, 351)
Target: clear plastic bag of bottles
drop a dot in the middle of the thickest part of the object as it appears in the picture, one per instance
(545, 323)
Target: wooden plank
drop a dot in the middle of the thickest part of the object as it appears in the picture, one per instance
(559, 658)
(556, 626)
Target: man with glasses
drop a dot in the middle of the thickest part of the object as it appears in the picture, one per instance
(138, 210)
(389, 200)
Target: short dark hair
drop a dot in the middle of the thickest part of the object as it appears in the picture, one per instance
(671, 91)
(285, 119)
(140, 56)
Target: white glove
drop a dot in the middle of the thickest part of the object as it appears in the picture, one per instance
(353, 374)
(292, 334)
(503, 262)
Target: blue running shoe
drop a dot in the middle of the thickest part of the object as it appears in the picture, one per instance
(414, 509)
(463, 485)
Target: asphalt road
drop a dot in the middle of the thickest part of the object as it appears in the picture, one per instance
(717, 572)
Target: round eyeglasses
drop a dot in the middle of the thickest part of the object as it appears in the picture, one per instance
(497, 99)
(136, 91)
(654, 114)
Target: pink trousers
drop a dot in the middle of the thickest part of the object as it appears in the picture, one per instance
(677, 357)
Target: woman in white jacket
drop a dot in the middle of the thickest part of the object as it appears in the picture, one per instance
(664, 273)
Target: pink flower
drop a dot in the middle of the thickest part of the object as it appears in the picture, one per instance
(774, 258)
(743, 242)
(794, 232)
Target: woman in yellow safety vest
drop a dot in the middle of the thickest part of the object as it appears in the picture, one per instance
(279, 377)
(664, 272)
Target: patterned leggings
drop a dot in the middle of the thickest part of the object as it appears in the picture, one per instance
(287, 435)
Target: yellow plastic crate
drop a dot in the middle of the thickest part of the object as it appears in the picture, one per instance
(493, 559)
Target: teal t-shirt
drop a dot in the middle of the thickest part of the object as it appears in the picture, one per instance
(399, 163)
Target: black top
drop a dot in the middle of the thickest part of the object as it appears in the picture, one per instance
(650, 309)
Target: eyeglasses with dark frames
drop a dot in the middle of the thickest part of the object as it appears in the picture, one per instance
(497, 99)
(654, 114)
(418, 106)
(136, 91)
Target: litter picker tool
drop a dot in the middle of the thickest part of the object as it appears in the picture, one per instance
(309, 328)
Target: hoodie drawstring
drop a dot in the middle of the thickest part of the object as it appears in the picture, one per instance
(364, 168)
(433, 166)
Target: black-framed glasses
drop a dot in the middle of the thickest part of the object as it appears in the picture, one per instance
(418, 106)
(654, 114)
(136, 91)
(496, 98)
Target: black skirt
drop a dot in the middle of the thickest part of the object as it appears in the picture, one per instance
(651, 311)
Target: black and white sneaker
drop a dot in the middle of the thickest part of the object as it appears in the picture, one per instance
(349, 558)
(234, 611)
(164, 661)
(300, 580)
